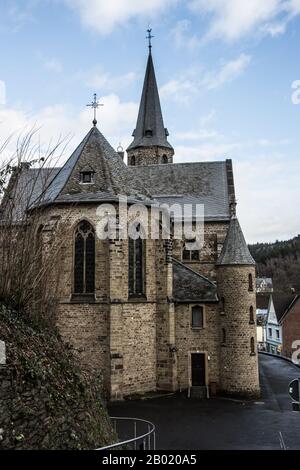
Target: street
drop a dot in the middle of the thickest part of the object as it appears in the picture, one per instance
(268, 423)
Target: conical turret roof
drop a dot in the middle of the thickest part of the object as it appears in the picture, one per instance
(235, 250)
(150, 130)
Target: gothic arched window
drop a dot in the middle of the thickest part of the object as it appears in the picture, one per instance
(250, 279)
(252, 315)
(84, 259)
(136, 267)
(252, 346)
(223, 336)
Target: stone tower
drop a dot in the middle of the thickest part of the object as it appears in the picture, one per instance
(236, 290)
(150, 144)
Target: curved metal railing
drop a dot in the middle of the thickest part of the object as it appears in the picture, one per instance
(143, 432)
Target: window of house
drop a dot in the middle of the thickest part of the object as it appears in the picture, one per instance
(136, 267)
(87, 177)
(277, 334)
(270, 332)
(252, 346)
(164, 159)
(250, 283)
(132, 161)
(252, 315)
(223, 304)
(148, 133)
(84, 259)
(197, 317)
(188, 254)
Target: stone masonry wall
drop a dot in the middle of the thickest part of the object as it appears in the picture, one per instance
(139, 348)
(150, 156)
(238, 366)
(189, 340)
(114, 335)
(214, 237)
(85, 327)
(46, 402)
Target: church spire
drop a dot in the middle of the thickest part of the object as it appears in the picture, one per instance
(150, 131)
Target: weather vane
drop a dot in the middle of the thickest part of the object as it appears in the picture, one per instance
(95, 105)
(149, 37)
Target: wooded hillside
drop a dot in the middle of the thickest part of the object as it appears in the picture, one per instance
(281, 261)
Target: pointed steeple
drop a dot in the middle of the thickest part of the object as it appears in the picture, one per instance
(150, 130)
(235, 250)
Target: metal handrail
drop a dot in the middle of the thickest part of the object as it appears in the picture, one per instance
(135, 439)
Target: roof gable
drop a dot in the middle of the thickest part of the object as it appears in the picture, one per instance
(189, 286)
(110, 175)
(279, 304)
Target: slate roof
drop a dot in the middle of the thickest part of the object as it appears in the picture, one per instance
(190, 287)
(204, 183)
(150, 115)
(292, 303)
(262, 301)
(282, 303)
(28, 185)
(266, 280)
(112, 177)
(235, 250)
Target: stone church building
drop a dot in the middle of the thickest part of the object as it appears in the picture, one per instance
(151, 314)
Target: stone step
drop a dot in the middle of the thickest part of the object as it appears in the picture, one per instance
(199, 392)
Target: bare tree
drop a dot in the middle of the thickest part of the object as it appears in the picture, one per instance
(29, 260)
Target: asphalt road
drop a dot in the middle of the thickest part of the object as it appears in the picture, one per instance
(219, 423)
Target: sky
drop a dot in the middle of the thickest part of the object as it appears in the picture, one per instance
(228, 73)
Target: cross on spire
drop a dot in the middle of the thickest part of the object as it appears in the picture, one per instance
(149, 37)
(95, 105)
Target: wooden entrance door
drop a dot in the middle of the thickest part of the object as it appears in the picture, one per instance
(198, 370)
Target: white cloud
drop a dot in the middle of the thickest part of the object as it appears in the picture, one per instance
(115, 121)
(180, 90)
(19, 15)
(181, 36)
(200, 134)
(103, 15)
(2, 92)
(228, 72)
(233, 19)
(194, 81)
(267, 204)
(105, 81)
(53, 65)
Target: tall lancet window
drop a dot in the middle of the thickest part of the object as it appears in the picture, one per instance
(84, 259)
(136, 267)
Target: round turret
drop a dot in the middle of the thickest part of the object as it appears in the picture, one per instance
(236, 290)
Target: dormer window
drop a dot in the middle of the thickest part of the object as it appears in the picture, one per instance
(87, 177)
(148, 133)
